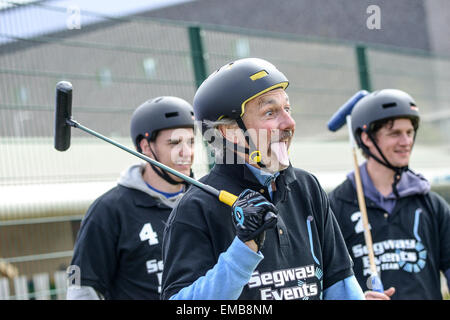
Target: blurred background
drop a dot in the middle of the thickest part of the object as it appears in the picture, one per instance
(118, 54)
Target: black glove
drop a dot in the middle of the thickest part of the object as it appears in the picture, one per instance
(252, 215)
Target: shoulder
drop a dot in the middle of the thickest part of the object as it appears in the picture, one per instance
(115, 202)
(308, 181)
(437, 198)
(344, 191)
(309, 193)
(304, 175)
(110, 198)
(439, 205)
(310, 186)
(192, 205)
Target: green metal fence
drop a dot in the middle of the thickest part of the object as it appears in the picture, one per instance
(117, 64)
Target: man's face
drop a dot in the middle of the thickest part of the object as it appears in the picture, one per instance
(395, 139)
(271, 127)
(175, 149)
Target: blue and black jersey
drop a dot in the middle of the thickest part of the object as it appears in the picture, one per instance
(303, 256)
(118, 248)
(411, 242)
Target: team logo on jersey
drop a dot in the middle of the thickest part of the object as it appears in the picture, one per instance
(307, 279)
(396, 254)
(274, 283)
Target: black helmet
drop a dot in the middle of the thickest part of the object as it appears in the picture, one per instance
(226, 91)
(158, 114)
(380, 105)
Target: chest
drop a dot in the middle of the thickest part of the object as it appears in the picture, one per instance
(406, 239)
(292, 267)
(410, 219)
(141, 230)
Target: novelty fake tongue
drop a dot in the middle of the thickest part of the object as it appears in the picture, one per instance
(280, 150)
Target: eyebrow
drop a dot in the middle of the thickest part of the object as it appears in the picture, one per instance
(265, 101)
(179, 139)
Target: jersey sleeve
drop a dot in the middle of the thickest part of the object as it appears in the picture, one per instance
(347, 289)
(95, 248)
(227, 278)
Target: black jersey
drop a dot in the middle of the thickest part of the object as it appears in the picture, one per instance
(118, 247)
(411, 244)
(303, 255)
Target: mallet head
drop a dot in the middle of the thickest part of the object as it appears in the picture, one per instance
(339, 117)
(63, 112)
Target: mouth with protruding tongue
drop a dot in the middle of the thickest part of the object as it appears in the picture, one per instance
(280, 150)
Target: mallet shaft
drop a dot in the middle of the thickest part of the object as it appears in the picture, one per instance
(222, 195)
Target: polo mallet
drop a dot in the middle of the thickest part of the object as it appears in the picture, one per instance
(338, 119)
(62, 131)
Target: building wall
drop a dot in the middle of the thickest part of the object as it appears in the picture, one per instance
(404, 23)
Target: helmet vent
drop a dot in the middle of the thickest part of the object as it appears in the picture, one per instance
(389, 105)
(171, 114)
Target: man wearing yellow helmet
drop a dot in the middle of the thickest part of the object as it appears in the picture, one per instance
(281, 241)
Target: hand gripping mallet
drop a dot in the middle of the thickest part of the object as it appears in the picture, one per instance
(341, 117)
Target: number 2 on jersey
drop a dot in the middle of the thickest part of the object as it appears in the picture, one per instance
(147, 233)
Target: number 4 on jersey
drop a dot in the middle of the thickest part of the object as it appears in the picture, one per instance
(147, 233)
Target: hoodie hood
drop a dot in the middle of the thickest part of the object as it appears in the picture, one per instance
(132, 178)
(410, 184)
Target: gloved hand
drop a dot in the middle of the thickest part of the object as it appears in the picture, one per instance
(252, 216)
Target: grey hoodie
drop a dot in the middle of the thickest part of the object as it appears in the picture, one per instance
(132, 178)
(409, 184)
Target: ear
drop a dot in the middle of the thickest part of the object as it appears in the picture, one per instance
(145, 147)
(230, 132)
(366, 140)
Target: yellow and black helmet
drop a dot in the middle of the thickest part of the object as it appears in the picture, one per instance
(226, 91)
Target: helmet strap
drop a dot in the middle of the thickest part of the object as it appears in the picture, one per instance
(163, 174)
(252, 149)
(398, 171)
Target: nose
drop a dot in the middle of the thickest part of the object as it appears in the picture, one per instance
(406, 139)
(287, 122)
(186, 149)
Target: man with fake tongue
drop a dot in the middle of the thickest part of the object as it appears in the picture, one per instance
(280, 239)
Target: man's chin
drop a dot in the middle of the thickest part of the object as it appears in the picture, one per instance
(400, 163)
(186, 172)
